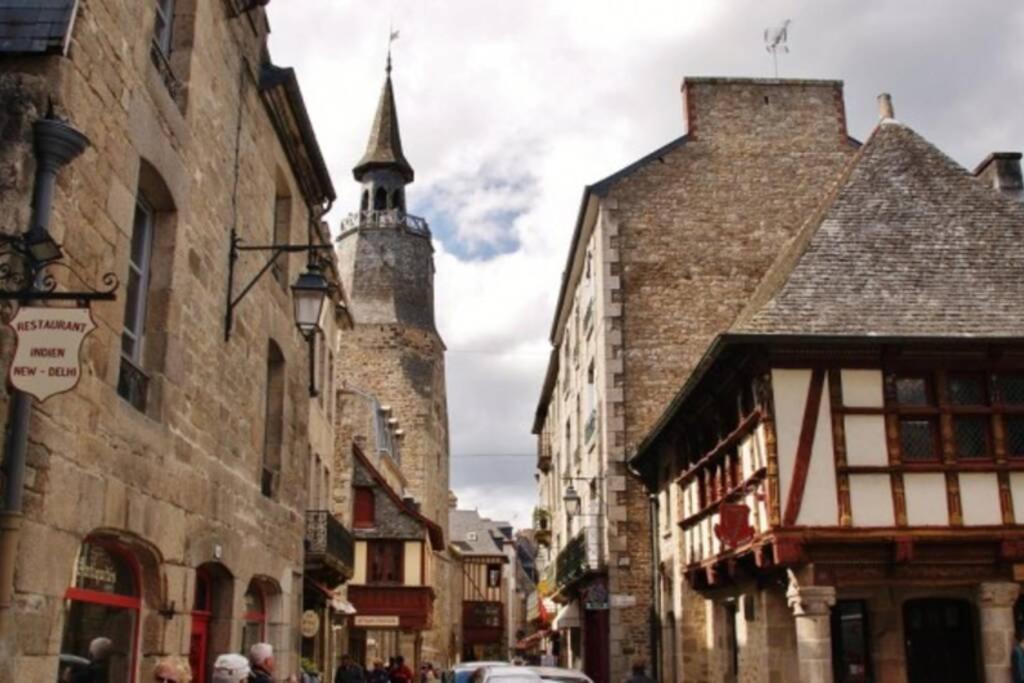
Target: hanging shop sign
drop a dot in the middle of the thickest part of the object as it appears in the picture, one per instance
(596, 596)
(310, 624)
(47, 358)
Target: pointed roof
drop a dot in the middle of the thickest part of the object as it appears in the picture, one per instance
(909, 243)
(384, 149)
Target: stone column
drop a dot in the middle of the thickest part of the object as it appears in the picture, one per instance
(811, 606)
(995, 612)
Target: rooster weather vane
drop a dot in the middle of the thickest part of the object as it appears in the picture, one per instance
(775, 40)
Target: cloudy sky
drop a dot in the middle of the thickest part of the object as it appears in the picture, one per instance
(509, 108)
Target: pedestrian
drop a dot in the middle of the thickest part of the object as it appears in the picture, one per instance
(172, 670)
(401, 673)
(349, 672)
(98, 668)
(429, 675)
(231, 669)
(639, 673)
(378, 674)
(1017, 659)
(261, 659)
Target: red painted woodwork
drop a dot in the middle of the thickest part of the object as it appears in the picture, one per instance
(787, 551)
(904, 549)
(803, 449)
(595, 645)
(734, 528)
(364, 515)
(198, 644)
(483, 623)
(413, 605)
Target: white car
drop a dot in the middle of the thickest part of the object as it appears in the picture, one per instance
(507, 674)
(554, 673)
(463, 673)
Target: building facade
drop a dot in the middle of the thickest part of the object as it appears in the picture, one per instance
(663, 256)
(394, 351)
(166, 496)
(841, 470)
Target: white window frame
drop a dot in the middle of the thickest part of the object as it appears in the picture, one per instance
(142, 271)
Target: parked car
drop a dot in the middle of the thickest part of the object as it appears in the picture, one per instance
(506, 674)
(554, 673)
(463, 673)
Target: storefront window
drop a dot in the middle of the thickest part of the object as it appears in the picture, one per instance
(850, 657)
(102, 617)
(255, 617)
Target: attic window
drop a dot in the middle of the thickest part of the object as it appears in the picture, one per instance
(471, 536)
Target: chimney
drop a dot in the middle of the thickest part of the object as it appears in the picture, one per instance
(885, 110)
(1002, 171)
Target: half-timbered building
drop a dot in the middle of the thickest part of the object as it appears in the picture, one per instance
(843, 472)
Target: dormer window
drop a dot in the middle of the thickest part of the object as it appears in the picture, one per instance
(471, 536)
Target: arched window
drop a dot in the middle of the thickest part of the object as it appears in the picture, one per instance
(364, 203)
(398, 199)
(273, 423)
(103, 602)
(282, 220)
(380, 199)
(254, 616)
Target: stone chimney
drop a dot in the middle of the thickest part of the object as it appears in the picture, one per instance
(1002, 171)
(885, 110)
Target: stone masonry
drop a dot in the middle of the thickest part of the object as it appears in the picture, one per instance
(178, 484)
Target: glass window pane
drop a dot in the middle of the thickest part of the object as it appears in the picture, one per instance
(87, 621)
(1015, 436)
(102, 570)
(967, 390)
(850, 642)
(971, 436)
(913, 391)
(140, 236)
(917, 439)
(1011, 389)
(131, 303)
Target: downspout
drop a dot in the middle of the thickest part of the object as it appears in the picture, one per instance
(655, 629)
(56, 145)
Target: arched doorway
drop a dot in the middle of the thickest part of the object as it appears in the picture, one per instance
(101, 626)
(211, 610)
(940, 636)
(254, 615)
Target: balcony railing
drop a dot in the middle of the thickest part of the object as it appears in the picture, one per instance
(410, 607)
(133, 384)
(330, 547)
(571, 564)
(390, 218)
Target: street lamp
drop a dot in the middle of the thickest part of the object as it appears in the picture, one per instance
(308, 295)
(573, 501)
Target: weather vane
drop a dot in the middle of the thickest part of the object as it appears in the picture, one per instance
(392, 37)
(775, 40)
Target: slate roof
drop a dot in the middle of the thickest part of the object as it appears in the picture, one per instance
(35, 26)
(489, 535)
(384, 148)
(908, 244)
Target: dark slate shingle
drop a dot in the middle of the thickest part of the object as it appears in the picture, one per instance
(34, 26)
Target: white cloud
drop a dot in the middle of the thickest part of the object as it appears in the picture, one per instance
(508, 109)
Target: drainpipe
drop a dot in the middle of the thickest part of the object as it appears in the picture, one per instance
(655, 635)
(56, 145)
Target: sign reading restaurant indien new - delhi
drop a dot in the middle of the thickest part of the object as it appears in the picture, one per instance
(49, 342)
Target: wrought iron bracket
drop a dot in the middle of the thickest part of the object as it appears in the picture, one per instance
(237, 247)
(23, 279)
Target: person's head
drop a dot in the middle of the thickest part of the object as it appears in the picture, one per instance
(399, 660)
(231, 669)
(172, 670)
(262, 655)
(639, 667)
(100, 649)
(346, 660)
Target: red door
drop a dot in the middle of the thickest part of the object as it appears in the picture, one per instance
(197, 648)
(595, 644)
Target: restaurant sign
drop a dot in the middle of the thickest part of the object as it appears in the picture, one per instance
(371, 621)
(49, 343)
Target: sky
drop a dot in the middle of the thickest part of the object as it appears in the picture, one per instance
(508, 109)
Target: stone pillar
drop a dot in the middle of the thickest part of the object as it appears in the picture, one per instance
(811, 606)
(995, 612)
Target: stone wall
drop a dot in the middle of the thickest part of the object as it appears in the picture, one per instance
(178, 485)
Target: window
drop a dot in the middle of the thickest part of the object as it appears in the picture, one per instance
(1010, 395)
(132, 383)
(971, 437)
(364, 515)
(482, 614)
(322, 364)
(919, 431)
(164, 24)
(103, 600)
(494, 576)
(731, 637)
(254, 616)
(851, 659)
(281, 234)
(273, 422)
(385, 560)
(380, 199)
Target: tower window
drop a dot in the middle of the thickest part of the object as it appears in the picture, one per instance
(380, 199)
(398, 199)
(364, 203)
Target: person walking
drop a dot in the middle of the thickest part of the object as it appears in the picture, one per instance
(401, 673)
(231, 668)
(639, 674)
(349, 672)
(1017, 659)
(378, 674)
(98, 669)
(261, 659)
(172, 670)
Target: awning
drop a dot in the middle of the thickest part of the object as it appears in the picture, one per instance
(334, 599)
(567, 617)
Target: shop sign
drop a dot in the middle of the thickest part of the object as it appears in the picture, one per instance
(47, 355)
(309, 626)
(623, 600)
(370, 621)
(734, 527)
(596, 597)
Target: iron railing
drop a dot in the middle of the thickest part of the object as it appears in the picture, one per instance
(133, 384)
(388, 218)
(329, 545)
(163, 67)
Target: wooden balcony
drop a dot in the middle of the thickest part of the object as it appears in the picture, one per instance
(412, 606)
(330, 548)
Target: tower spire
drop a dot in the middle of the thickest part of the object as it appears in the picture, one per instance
(384, 148)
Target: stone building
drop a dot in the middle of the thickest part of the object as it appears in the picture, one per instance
(394, 351)
(843, 469)
(663, 255)
(165, 497)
